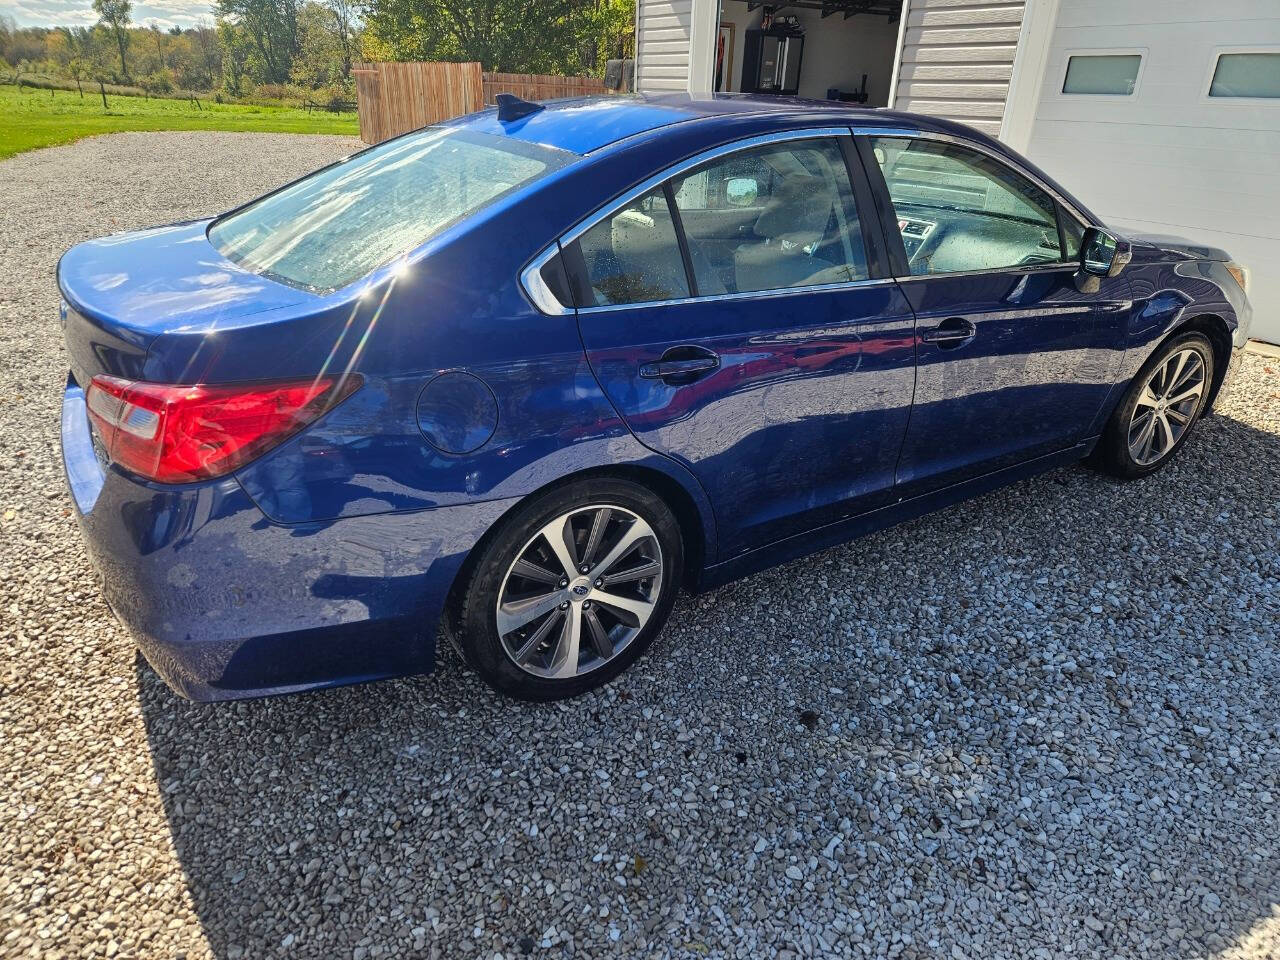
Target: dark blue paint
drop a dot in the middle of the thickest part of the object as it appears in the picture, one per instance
(457, 412)
(328, 560)
(1028, 384)
(803, 420)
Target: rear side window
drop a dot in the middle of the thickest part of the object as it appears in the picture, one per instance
(771, 217)
(340, 223)
(633, 255)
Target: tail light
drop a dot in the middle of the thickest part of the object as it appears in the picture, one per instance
(176, 434)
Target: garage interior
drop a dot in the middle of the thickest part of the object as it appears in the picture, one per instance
(820, 49)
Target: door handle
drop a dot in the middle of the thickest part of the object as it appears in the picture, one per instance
(680, 365)
(950, 333)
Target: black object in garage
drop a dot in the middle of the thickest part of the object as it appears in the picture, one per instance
(771, 62)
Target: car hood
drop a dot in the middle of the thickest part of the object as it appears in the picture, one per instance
(1181, 246)
(163, 280)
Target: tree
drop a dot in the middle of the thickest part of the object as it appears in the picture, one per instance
(116, 15)
(205, 43)
(235, 50)
(271, 26)
(320, 60)
(344, 28)
(518, 36)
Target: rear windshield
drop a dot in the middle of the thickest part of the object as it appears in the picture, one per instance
(338, 224)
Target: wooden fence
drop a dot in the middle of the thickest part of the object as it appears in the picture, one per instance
(394, 98)
(533, 86)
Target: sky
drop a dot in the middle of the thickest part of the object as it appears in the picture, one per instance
(79, 13)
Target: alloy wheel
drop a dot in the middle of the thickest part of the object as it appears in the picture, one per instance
(1166, 406)
(579, 591)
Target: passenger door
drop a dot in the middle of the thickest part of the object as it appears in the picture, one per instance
(1014, 361)
(740, 320)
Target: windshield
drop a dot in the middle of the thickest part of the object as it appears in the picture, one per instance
(340, 223)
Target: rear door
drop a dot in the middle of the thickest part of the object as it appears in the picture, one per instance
(1014, 360)
(742, 322)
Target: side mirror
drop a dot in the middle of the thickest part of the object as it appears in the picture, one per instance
(1101, 255)
(741, 191)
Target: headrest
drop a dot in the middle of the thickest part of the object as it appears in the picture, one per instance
(798, 211)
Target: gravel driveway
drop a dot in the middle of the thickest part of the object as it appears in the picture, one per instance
(1043, 723)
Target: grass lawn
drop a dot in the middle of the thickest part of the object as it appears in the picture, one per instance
(32, 118)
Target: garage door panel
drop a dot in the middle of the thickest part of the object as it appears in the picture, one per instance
(1251, 170)
(1167, 159)
(1107, 14)
(1215, 210)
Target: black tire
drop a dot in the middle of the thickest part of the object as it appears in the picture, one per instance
(477, 616)
(1113, 454)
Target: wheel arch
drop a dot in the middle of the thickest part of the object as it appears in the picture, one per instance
(692, 511)
(1218, 332)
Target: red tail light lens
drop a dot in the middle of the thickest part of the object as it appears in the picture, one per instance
(176, 434)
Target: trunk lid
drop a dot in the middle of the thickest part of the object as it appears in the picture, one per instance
(123, 291)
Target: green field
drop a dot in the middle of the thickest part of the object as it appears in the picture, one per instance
(31, 118)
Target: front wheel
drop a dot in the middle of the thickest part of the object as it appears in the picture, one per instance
(1163, 403)
(572, 588)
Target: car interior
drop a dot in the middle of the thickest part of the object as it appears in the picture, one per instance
(783, 216)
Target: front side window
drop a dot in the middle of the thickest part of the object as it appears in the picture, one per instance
(960, 210)
(1114, 75)
(342, 222)
(633, 255)
(771, 217)
(1246, 75)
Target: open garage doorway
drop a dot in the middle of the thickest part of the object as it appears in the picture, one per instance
(821, 49)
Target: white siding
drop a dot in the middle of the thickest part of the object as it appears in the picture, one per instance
(663, 29)
(1168, 159)
(957, 59)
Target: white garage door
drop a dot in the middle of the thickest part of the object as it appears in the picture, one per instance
(1170, 123)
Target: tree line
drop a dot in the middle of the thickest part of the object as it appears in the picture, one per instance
(306, 48)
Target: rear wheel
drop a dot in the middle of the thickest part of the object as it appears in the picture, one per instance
(1157, 414)
(572, 589)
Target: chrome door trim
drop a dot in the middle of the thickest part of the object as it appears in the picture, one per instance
(741, 295)
(536, 289)
(1016, 269)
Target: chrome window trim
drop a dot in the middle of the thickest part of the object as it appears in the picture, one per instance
(544, 300)
(1015, 269)
(741, 295)
(536, 289)
(809, 133)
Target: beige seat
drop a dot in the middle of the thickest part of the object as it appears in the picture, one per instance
(795, 217)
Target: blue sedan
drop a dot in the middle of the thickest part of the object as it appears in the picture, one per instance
(517, 378)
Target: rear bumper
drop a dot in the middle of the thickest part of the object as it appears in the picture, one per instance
(225, 604)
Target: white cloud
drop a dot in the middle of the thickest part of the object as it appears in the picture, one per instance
(73, 13)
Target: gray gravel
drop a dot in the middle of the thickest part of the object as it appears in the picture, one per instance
(1040, 724)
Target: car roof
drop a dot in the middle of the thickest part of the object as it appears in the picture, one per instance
(585, 124)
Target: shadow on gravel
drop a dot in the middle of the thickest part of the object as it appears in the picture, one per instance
(1043, 719)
